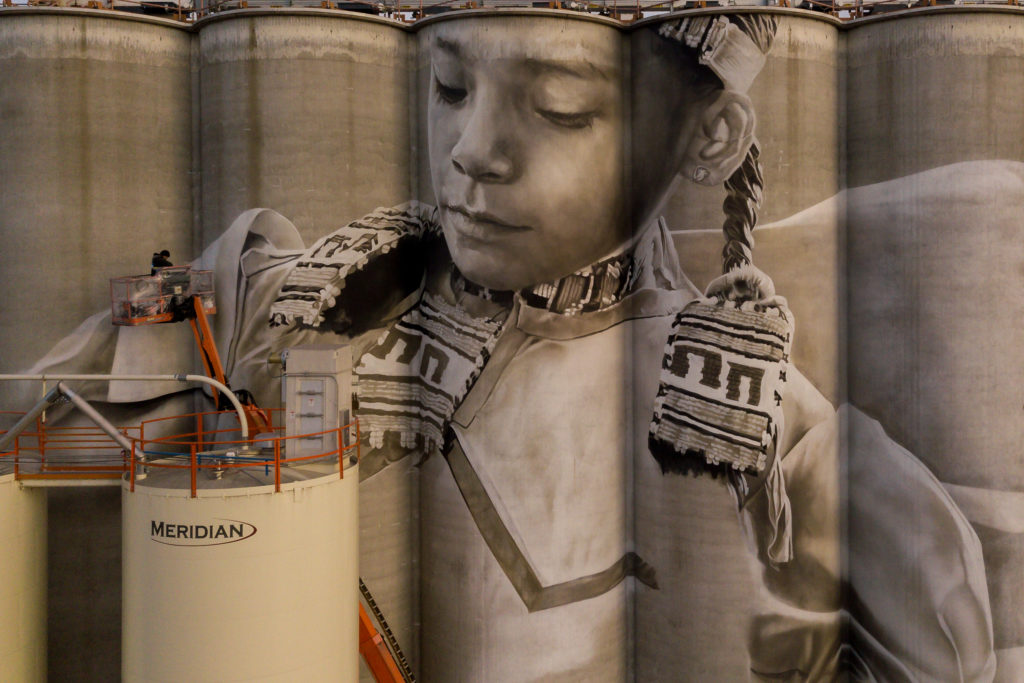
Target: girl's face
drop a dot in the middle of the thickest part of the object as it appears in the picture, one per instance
(526, 145)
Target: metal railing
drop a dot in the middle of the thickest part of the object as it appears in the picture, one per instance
(76, 454)
(64, 453)
(215, 451)
(188, 11)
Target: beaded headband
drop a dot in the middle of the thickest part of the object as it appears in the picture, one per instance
(722, 46)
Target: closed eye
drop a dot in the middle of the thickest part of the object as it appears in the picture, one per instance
(449, 93)
(569, 119)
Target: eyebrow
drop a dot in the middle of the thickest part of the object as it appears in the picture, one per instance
(448, 46)
(579, 68)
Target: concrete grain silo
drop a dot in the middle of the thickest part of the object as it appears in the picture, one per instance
(797, 99)
(303, 111)
(468, 624)
(890, 150)
(23, 589)
(310, 112)
(95, 155)
(934, 305)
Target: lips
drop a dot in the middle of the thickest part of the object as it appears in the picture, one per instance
(478, 225)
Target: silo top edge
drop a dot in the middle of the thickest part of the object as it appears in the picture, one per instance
(414, 26)
(22, 10)
(733, 10)
(510, 12)
(517, 12)
(147, 487)
(930, 11)
(411, 27)
(608, 21)
(300, 11)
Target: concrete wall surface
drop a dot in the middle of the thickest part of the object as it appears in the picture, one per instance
(935, 138)
(96, 160)
(308, 115)
(892, 169)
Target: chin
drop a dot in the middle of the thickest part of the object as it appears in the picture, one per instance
(507, 269)
(489, 278)
(489, 273)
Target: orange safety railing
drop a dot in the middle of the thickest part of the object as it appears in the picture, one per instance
(77, 452)
(626, 11)
(264, 450)
(9, 458)
(64, 453)
(200, 434)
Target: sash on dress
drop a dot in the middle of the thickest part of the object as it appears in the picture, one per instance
(719, 402)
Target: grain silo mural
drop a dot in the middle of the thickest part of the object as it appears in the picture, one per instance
(666, 352)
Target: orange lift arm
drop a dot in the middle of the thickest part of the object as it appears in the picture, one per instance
(375, 652)
(372, 646)
(207, 347)
(380, 650)
(258, 419)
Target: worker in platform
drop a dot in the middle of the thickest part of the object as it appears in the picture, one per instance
(161, 259)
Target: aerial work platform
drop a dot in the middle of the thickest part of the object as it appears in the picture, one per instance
(147, 299)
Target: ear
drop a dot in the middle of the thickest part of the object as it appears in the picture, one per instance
(723, 135)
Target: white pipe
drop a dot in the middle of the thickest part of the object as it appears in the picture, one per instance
(52, 396)
(149, 378)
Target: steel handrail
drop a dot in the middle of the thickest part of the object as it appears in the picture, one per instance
(243, 456)
(627, 12)
(144, 378)
(220, 454)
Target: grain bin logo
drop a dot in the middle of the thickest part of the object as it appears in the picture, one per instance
(220, 532)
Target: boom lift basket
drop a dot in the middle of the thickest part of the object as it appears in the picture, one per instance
(147, 299)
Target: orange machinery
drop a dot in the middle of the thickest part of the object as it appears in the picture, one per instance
(174, 294)
(180, 293)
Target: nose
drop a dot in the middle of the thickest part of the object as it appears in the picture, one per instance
(482, 151)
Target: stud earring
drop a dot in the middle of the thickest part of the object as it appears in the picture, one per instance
(700, 174)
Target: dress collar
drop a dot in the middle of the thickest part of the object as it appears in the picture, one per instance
(643, 281)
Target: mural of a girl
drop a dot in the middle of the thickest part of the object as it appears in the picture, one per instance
(533, 360)
(533, 326)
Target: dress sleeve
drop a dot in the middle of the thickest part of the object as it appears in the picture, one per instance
(912, 598)
(916, 574)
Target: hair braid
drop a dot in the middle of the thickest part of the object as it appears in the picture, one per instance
(745, 188)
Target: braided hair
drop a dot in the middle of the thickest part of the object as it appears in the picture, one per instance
(745, 193)
(745, 187)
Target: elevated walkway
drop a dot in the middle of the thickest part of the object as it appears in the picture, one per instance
(214, 449)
